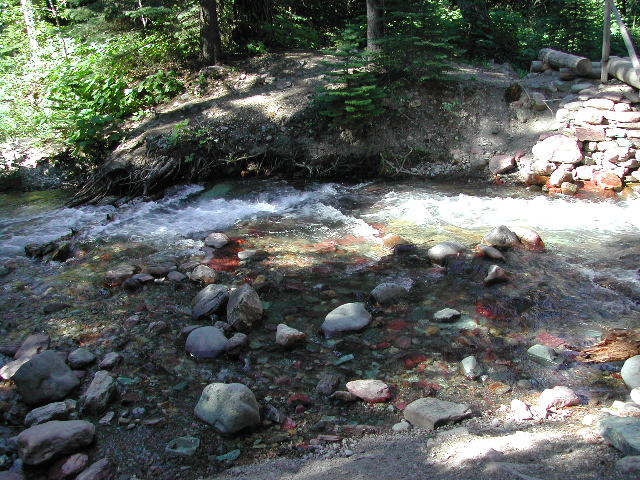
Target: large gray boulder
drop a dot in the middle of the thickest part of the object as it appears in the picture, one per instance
(439, 253)
(206, 342)
(41, 443)
(244, 309)
(429, 413)
(45, 378)
(100, 392)
(350, 317)
(211, 299)
(229, 408)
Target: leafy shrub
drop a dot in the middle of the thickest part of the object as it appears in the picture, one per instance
(292, 31)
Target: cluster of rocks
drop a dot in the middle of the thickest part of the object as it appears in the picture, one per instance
(55, 435)
(594, 146)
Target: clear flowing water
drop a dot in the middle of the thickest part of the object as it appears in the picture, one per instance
(585, 281)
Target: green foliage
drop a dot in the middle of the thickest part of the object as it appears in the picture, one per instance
(352, 97)
(292, 31)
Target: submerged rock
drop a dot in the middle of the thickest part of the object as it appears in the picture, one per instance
(350, 317)
(387, 293)
(446, 315)
(490, 252)
(229, 408)
(43, 442)
(244, 309)
(44, 378)
(430, 413)
(287, 336)
(495, 275)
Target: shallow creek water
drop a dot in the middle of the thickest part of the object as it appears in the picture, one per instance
(324, 249)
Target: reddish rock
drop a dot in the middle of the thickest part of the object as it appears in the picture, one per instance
(391, 240)
(608, 180)
(371, 391)
(600, 103)
(67, 467)
(402, 342)
(558, 397)
(558, 149)
(592, 134)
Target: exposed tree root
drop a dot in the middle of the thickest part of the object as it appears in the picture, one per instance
(617, 345)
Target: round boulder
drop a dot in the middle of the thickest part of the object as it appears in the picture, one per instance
(229, 408)
(350, 317)
(439, 253)
(206, 342)
(501, 237)
(631, 372)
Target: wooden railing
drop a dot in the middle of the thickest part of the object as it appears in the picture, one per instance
(610, 7)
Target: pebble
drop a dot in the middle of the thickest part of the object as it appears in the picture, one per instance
(371, 391)
(176, 276)
(635, 395)
(211, 299)
(388, 293)
(520, 410)
(327, 384)
(287, 336)
(203, 274)
(470, 367)
(402, 426)
(439, 253)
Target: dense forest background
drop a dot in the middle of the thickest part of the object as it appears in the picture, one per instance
(70, 70)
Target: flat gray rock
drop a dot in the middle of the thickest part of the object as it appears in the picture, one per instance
(388, 293)
(430, 413)
(621, 432)
(100, 392)
(350, 317)
(244, 308)
(229, 408)
(45, 378)
(52, 411)
(544, 355)
(211, 299)
(41, 443)
(80, 357)
(206, 342)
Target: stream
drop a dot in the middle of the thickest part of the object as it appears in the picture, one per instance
(324, 248)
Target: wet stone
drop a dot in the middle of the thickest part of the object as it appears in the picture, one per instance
(439, 253)
(239, 341)
(203, 274)
(489, 252)
(288, 337)
(80, 358)
(43, 442)
(446, 315)
(44, 378)
(251, 254)
(430, 413)
(544, 355)
(470, 367)
(328, 384)
(176, 276)
(118, 274)
(501, 237)
(216, 240)
(350, 317)
(495, 275)
(388, 293)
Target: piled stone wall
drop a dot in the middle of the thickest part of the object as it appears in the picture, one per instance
(596, 144)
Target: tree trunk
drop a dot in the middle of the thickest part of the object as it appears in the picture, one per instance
(375, 24)
(210, 32)
(32, 34)
(559, 59)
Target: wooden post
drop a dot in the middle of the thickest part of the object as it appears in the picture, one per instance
(606, 42)
(626, 36)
